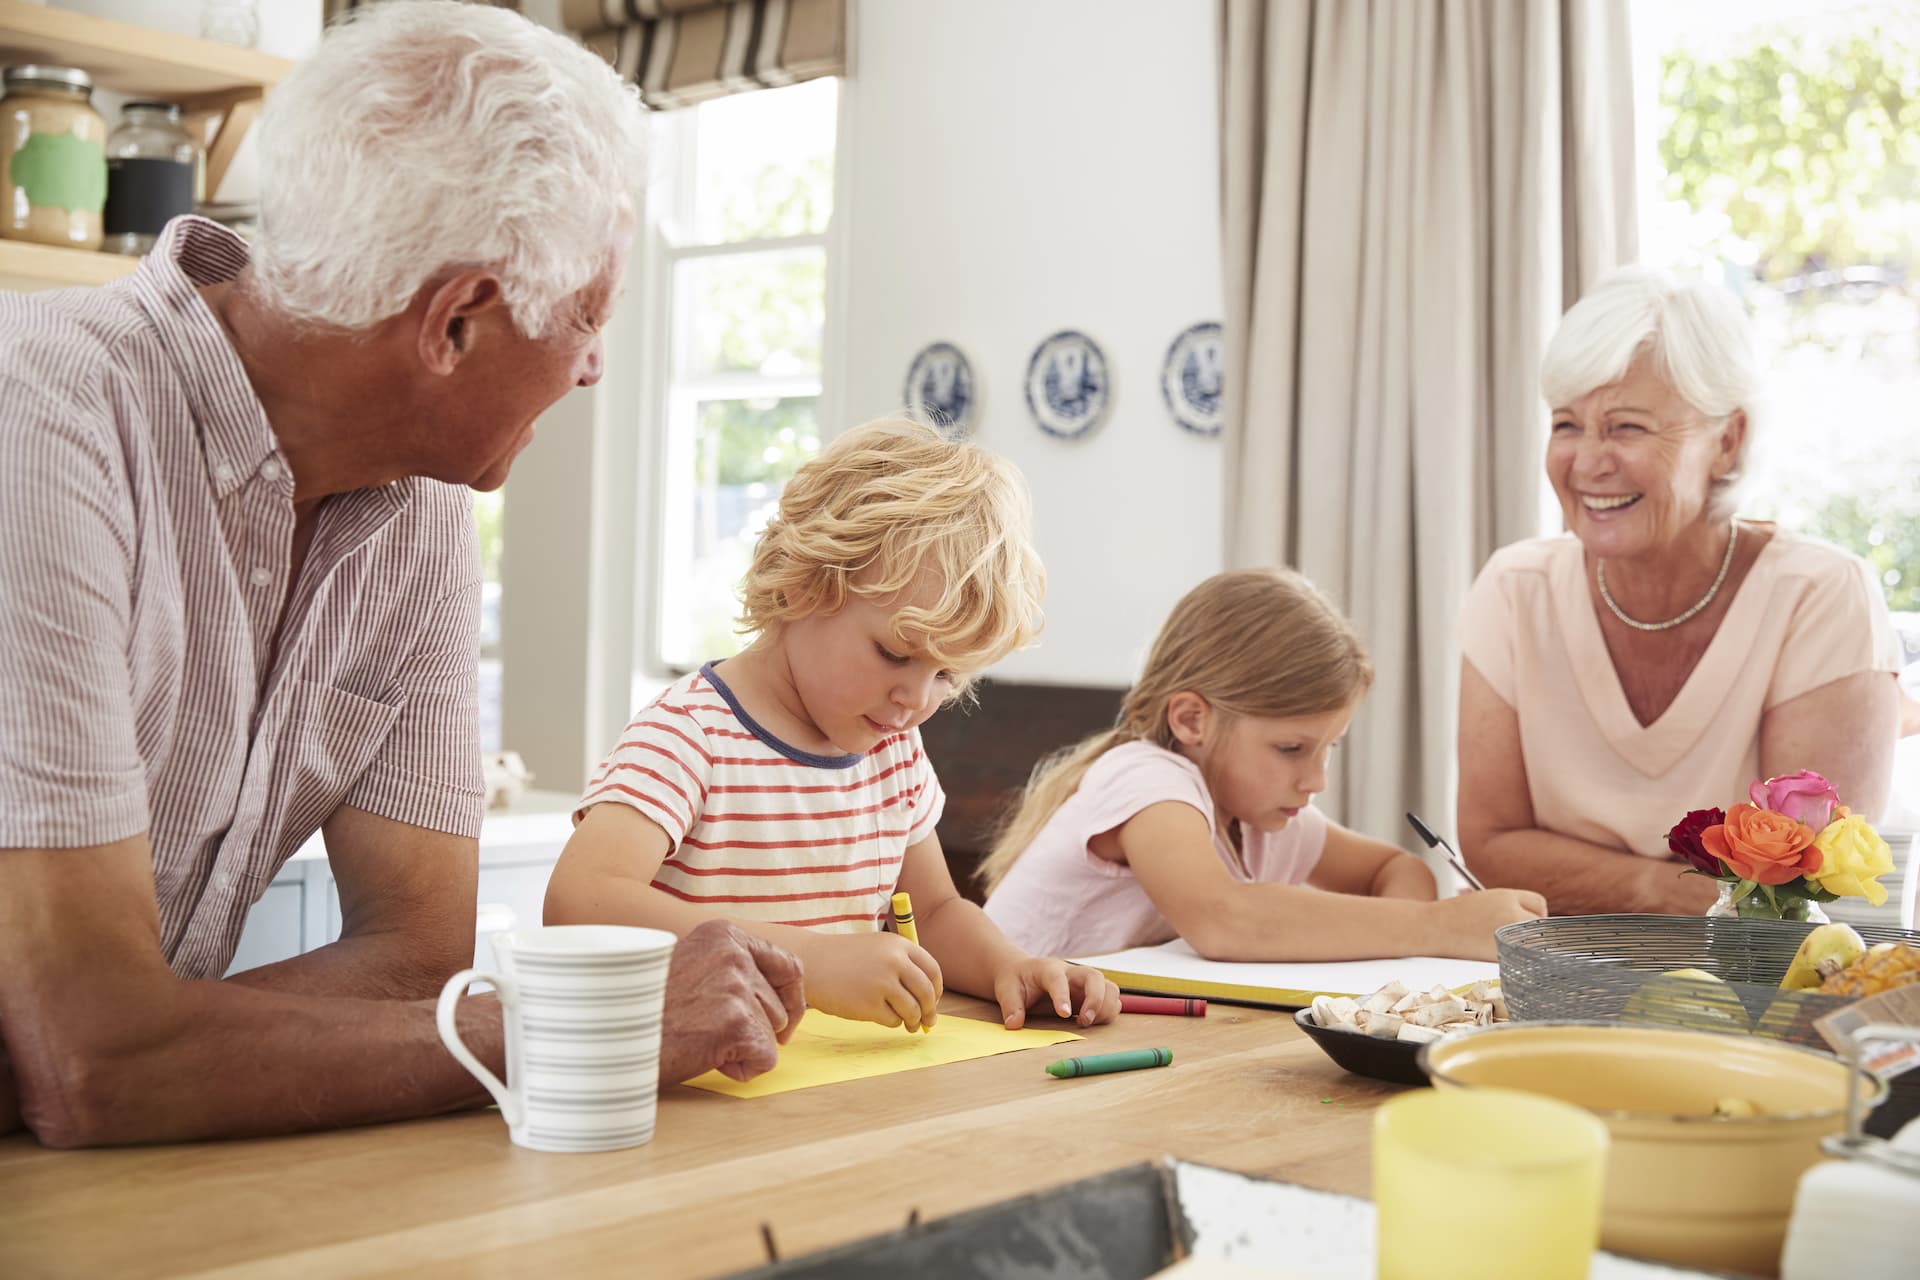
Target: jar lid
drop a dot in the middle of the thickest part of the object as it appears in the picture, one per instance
(171, 109)
(53, 77)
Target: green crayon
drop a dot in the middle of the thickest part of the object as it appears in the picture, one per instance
(1100, 1063)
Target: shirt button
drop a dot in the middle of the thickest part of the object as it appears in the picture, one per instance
(270, 469)
(223, 473)
(262, 577)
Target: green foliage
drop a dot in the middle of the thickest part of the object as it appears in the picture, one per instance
(753, 442)
(1797, 149)
(793, 199)
(1880, 521)
(758, 313)
(489, 521)
(1809, 145)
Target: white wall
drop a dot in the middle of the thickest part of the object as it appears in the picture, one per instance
(288, 29)
(1021, 168)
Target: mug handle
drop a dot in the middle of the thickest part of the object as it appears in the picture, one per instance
(509, 1100)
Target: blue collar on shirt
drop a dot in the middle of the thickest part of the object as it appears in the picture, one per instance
(759, 731)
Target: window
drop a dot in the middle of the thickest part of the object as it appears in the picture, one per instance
(1788, 146)
(739, 215)
(487, 517)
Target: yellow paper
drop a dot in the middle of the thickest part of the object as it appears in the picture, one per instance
(827, 1050)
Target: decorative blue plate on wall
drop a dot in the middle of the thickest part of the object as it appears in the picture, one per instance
(1067, 386)
(940, 388)
(1190, 380)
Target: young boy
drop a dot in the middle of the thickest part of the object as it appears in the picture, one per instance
(786, 788)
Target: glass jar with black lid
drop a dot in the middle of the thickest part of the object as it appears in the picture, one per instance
(151, 162)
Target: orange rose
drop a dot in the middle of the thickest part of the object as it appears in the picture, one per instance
(1763, 846)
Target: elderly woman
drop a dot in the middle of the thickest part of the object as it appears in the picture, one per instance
(1663, 653)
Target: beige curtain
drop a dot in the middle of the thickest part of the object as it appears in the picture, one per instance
(1414, 190)
(680, 52)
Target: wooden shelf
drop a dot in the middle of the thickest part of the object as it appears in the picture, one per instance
(135, 60)
(207, 78)
(27, 267)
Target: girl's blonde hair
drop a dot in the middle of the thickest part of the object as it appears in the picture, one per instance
(1252, 642)
(892, 508)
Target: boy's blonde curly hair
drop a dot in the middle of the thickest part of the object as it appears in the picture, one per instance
(892, 508)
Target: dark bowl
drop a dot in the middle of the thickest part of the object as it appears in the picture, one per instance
(1395, 1061)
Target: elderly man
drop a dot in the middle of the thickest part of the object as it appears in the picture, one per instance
(239, 594)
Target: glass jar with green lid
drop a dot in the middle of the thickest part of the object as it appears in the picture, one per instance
(53, 157)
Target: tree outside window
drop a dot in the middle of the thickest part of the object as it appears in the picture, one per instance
(742, 214)
(1788, 145)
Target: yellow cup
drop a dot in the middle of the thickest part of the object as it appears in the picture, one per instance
(1486, 1184)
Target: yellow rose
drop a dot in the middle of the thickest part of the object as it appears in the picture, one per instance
(1852, 855)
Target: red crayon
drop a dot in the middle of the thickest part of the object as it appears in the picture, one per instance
(1178, 1006)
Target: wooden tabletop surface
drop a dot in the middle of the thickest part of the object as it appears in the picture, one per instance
(453, 1197)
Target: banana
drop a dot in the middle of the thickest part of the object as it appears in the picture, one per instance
(1824, 952)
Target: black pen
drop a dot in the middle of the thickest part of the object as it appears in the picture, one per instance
(1454, 860)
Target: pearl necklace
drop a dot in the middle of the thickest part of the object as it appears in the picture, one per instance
(1726, 561)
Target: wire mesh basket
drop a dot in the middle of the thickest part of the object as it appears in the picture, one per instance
(1621, 967)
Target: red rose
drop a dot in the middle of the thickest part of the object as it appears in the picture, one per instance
(1684, 840)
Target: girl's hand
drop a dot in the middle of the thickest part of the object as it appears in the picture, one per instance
(1467, 920)
(1066, 986)
(873, 977)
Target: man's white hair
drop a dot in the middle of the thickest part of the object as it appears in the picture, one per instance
(1695, 336)
(430, 135)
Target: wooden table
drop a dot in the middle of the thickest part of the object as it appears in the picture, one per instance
(452, 1197)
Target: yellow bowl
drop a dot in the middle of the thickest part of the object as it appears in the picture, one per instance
(1682, 1185)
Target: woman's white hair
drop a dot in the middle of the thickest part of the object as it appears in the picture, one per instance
(1695, 336)
(429, 135)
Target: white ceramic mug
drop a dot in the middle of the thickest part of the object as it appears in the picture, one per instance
(580, 1007)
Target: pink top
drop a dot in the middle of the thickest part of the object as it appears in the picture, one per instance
(1806, 614)
(1062, 899)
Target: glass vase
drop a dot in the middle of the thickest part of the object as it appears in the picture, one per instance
(1754, 905)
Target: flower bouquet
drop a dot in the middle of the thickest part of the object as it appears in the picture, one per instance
(1790, 848)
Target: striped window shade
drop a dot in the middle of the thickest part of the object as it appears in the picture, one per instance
(680, 52)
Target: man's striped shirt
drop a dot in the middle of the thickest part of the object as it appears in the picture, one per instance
(162, 669)
(761, 829)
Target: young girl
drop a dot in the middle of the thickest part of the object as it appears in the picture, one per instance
(786, 788)
(1193, 816)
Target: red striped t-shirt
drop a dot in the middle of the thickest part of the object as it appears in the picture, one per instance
(761, 829)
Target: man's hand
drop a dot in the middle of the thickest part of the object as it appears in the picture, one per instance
(732, 999)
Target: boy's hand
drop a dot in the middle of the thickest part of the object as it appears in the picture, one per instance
(874, 977)
(1065, 986)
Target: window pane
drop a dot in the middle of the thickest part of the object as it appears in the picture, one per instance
(763, 163)
(752, 313)
(487, 516)
(730, 459)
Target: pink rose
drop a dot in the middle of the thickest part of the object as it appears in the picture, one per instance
(1805, 797)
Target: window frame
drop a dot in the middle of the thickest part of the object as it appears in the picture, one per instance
(666, 397)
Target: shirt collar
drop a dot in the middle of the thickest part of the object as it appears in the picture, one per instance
(192, 252)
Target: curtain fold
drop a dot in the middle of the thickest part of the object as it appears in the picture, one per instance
(1412, 194)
